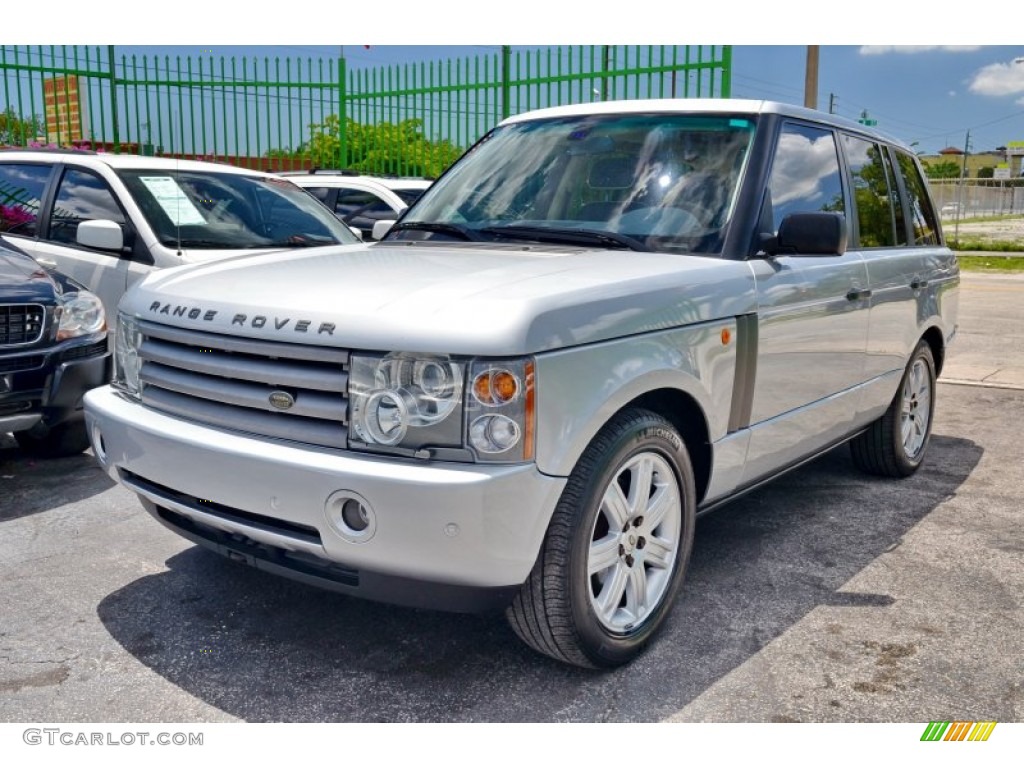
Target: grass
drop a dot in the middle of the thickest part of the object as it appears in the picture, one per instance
(1001, 246)
(991, 263)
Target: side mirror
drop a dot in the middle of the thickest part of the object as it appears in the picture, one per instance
(808, 234)
(103, 234)
(381, 228)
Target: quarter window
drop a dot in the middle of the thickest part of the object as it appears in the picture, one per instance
(82, 196)
(21, 190)
(871, 195)
(922, 215)
(805, 173)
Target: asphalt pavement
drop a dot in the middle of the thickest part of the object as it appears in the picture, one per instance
(824, 596)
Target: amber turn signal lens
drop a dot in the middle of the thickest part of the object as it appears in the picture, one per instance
(504, 386)
(726, 336)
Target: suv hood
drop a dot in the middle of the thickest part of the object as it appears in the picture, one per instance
(467, 299)
(22, 280)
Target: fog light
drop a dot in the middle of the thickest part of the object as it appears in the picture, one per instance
(351, 516)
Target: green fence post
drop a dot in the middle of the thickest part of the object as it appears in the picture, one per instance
(506, 88)
(726, 71)
(115, 133)
(342, 114)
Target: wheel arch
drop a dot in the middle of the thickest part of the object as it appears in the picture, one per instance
(685, 414)
(933, 336)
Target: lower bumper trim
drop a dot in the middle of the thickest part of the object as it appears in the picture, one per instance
(325, 574)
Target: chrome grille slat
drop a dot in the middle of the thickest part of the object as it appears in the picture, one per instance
(226, 382)
(314, 405)
(256, 347)
(215, 363)
(21, 323)
(279, 425)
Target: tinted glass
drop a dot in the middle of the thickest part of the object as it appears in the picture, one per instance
(805, 173)
(214, 210)
(354, 201)
(650, 182)
(21, 189)
(82, 196)
(922, 215)
(897, 204)
(871, 194)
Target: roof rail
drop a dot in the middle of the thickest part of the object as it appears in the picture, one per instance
(51, 150)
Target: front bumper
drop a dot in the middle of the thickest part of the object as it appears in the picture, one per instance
(453, 536)
(45, 386)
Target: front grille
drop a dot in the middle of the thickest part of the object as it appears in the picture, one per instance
(227, 381)
(21, 323)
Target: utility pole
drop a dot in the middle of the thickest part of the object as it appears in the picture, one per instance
(811, 78)
(831, 103)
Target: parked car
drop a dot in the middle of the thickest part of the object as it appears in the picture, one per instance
(362, 201)
(602, 321)
(106, 220)
(53, 347)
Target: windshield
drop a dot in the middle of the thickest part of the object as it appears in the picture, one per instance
(658, 182)
(207, 209)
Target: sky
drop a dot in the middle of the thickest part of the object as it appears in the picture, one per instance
(930, 88)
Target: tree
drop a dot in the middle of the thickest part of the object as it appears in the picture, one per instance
(986, 172)
(944, 170)
(15, 131)
(398, 149)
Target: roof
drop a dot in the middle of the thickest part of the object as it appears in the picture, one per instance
(703, 106)
(341, 180)
(126, 161)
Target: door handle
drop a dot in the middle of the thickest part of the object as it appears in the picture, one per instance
(918, 284)
(856, 294)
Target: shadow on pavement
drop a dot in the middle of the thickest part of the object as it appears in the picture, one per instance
(29, 485)
(266, 649)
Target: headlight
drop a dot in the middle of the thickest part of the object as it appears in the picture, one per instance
(479, 410)
(126, 355)
(407, 401)
(81, 314)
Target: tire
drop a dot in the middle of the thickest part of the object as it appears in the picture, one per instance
(67, 439)
(895, 444)
(614, 557)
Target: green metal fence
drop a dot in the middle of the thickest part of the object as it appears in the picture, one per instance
(283, 113)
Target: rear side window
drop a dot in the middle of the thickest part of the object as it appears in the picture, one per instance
(21, 190)
(82, 196)
(872, 197)
(922, 214)
(805, 173)
(351, 202)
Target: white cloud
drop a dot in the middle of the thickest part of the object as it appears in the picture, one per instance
(952, 93)
(999, 79)
(875, 50)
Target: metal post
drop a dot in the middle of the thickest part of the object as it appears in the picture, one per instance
(960, 190)
(342, 114)
(116, 136)
(811, 78)
(506, 84)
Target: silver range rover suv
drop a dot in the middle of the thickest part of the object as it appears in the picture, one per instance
(601, 322)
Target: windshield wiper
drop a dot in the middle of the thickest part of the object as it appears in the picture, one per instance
(567, 236)
(435, 226)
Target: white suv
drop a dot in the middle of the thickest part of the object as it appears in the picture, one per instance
(106, 220)
(361, 201)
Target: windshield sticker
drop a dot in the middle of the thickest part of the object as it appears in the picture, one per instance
(173, 200)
